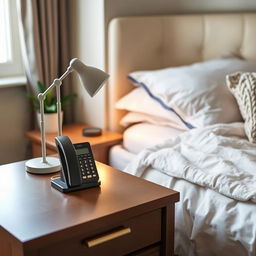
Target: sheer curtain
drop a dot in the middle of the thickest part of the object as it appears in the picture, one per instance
(44, 30)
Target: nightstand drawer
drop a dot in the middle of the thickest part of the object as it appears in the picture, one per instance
(123, 238)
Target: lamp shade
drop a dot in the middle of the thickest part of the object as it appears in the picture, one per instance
(92, 78)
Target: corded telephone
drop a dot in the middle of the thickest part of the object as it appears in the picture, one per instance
(78, 167)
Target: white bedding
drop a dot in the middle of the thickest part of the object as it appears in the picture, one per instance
(136, 138)
(208, 223)
(119, 157)
(210, 157)
(214, 168)
(143, 135)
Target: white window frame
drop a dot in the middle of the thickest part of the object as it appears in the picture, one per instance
(13, 67)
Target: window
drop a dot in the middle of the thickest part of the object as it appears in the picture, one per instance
(10, 52)
(5, 51)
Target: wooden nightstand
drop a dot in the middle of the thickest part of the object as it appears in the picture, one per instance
(100, 145)
(125, 216)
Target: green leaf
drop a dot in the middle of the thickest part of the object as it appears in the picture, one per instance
(41, 87)
(48, 98)
(53, 101)
(49, 95)
(67, 98)
(34, 99)
(50, 109)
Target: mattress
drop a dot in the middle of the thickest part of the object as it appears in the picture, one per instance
(119, 157)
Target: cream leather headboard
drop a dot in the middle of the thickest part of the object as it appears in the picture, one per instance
(144, 43)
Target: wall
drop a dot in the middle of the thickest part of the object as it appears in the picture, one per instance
(14, 122)
(90, 21)
(87, 28)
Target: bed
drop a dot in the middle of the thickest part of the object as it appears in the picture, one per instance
(212, 219)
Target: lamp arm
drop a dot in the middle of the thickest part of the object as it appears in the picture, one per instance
(58, 81)
(41, 96)
(58, 103)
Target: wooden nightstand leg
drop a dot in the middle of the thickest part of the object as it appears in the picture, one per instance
(101, 154)
(167, 248)
(10, 249)
(5, 248)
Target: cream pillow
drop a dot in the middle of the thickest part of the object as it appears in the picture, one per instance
(139, 101)
(135, 117)
(243, 87)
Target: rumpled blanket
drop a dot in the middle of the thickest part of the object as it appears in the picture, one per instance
(218, 157)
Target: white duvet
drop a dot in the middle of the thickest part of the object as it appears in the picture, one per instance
(216, 216)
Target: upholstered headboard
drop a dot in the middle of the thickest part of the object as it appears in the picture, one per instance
(144, 43)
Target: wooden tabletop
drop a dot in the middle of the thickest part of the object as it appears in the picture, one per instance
(74, 131)
(33, 212)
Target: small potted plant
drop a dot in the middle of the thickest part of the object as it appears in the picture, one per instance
(50, 108)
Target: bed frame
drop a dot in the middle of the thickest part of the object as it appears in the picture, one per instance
(147, 43)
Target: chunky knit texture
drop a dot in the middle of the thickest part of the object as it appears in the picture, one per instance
(243, 87)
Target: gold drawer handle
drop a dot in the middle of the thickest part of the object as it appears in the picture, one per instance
(107, 237)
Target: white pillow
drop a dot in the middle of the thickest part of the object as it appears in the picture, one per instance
(143, 135)
(197, 93)
(134, 117)
(139, 101)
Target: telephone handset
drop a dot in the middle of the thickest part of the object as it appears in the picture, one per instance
(78, 167)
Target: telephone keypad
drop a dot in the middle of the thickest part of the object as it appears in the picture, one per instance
(86, 166)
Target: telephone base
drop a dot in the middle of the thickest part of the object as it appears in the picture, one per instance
(58, 184)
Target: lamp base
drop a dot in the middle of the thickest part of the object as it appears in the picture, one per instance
(37, 166)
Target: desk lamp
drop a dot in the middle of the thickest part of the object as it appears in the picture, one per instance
(92, 79)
